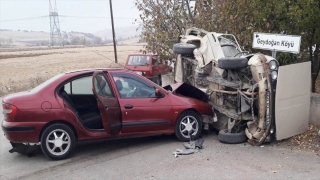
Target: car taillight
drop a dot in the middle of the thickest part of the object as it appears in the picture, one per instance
(9, 109)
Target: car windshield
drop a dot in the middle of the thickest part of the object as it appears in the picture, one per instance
(139, 60)
(44, 84)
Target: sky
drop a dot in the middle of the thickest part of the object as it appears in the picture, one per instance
(124, 12)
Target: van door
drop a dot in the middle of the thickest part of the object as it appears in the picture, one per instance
(292, 104)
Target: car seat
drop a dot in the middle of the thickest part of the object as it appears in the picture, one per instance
(89, 119)
(119, 86)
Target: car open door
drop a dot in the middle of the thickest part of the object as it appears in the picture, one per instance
(292, 105)
(107, 102)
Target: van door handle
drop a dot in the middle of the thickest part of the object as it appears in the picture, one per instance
(128, 106)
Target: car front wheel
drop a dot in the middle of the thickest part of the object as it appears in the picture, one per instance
(57, 141)
(189, 123)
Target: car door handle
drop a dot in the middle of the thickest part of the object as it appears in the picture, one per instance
(128, 106)
(106, 106)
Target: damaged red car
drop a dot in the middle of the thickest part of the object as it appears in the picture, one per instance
(99, 104)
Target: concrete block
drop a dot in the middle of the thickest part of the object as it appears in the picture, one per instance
(314, 108)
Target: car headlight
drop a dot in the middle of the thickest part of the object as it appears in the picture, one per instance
(139, 72)
(273, 65)
(274, 75)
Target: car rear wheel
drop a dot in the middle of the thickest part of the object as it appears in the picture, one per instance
(189, 123)
(57, 141)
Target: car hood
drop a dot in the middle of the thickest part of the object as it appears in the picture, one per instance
(138, 68)
(183, 89)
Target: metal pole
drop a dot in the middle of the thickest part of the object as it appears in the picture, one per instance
(113, 34)
(274, 53)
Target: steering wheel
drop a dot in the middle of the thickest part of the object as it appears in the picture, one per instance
(136, 92)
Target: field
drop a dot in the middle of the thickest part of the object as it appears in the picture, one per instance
(23, 69)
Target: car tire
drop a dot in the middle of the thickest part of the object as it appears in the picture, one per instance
(182, 48)
(232, 138)
(188, 122)
(57, 141)
(232, 63)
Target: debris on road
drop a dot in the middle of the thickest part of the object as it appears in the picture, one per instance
(191, 147)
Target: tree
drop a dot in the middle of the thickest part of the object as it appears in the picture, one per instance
(306, 20)
(97, 40)
(296, 17)
(75, 40)
(163, 21)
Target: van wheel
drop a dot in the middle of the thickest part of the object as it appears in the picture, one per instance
(182, 48)
(57, 141)
(189, 123)
(232, 138)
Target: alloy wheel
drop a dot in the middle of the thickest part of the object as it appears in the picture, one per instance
(189, 126)
(58, 142)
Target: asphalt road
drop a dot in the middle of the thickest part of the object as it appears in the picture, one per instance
(152, 158)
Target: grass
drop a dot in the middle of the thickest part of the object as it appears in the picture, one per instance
(18, 86)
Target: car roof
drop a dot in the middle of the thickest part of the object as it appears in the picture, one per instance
(97, 69)
(142, 54)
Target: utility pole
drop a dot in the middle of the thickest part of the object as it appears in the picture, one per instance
(55, 34)
(113, 34)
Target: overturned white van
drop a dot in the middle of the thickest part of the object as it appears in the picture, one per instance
(253, 98)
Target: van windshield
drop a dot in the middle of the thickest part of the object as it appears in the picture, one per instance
(139, 60)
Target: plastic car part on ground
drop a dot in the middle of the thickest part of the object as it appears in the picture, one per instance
(191, 147)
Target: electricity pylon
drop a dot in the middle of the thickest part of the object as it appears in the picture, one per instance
(55, 34)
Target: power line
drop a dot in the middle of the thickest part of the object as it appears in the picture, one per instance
(21, 19)
(95, 17)
(65, 16)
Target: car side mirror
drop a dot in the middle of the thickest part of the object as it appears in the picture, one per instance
(158, 93)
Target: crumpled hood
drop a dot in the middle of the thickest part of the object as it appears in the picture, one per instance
(187, 90)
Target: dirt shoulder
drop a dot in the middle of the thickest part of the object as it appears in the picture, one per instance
(308, 141)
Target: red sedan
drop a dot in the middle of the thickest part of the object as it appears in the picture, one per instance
(99, 104)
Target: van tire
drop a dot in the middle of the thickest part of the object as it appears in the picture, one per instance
(182, 48)
(232, 63)
(232, 138)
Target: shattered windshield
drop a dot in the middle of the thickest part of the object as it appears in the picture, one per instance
(139, 60)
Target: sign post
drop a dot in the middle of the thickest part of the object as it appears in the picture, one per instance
(276, 42)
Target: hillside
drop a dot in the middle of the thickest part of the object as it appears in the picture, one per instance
(21, 38)
(33, 38)
(127, 32)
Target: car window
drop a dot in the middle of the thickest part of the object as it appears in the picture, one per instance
(137, 60)
(102, 86)
(154, 62)
(79, 86)
(130, 86)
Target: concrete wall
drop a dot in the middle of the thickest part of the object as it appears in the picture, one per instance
(314, 108)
